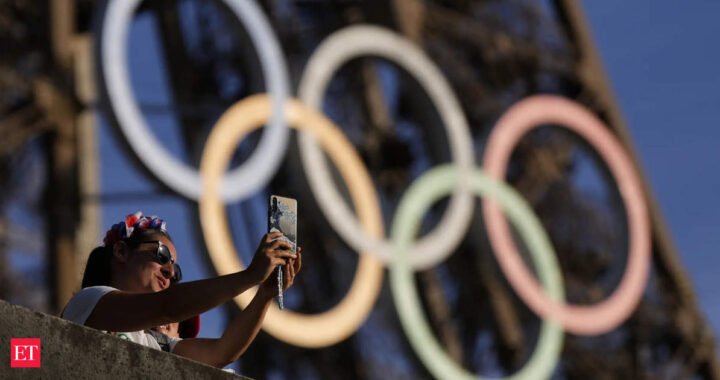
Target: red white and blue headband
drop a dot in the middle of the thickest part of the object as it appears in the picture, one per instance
(136, 221)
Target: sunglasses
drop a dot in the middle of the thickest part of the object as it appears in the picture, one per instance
(163, 256)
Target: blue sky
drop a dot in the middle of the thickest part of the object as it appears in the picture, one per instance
(662, 58)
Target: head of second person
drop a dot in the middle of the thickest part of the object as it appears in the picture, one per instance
(137, 255)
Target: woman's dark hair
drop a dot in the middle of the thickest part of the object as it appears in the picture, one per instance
(98, 270)
(139, 236)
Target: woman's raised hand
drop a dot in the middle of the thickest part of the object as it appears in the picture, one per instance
(269, 286)
(272, 251)
(292, 269)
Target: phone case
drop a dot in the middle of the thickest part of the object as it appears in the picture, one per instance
(282, 216)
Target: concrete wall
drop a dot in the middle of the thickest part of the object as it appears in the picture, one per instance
(70, 351)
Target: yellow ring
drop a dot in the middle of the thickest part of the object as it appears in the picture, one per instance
(303, 330)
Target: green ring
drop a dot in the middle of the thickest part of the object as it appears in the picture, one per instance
(423, 192)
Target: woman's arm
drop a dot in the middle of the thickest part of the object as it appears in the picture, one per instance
(126, 311)
(243, 329)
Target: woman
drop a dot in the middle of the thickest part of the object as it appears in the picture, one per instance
(126, 291)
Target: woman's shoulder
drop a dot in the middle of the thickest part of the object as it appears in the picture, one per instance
(91, 293)
(82, 303)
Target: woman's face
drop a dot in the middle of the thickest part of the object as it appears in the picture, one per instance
(144, 270)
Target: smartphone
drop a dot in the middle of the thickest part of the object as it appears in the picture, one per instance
(282, 216)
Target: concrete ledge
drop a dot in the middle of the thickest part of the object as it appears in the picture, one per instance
(70, 351)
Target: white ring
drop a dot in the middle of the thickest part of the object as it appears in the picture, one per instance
(259, 167)
(360, 40)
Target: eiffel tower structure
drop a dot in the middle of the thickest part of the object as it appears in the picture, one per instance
(492, 53)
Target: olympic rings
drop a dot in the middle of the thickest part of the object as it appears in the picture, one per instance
(260, 166)
(360, 40)
(585, 320)
(344, 319)
(425, 190)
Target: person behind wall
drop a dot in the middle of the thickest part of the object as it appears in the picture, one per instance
(126, 291)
